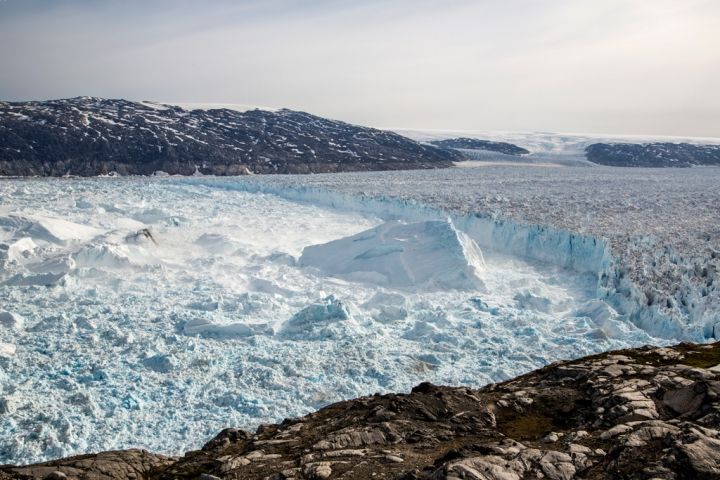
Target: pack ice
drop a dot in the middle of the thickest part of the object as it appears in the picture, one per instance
(432, 255)
(153, 312)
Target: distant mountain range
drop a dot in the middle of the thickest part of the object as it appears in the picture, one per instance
(656, 154)
(575, 149)
(89, 136)
(653, 154)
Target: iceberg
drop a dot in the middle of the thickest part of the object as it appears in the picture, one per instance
(429, 255)
(315, 321)
(53, 230)
(205, 328)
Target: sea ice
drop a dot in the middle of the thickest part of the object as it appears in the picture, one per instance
(157, 311)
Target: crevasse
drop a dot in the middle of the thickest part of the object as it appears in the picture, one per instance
(581, 253)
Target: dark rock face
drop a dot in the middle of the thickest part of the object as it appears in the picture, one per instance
(648, 413)
(475, 144)
(92, 136)
(653, 154)
(117, 465)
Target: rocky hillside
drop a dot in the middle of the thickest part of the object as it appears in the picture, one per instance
(653, 154)
(648, 413)
(463, 144)
(93, 136)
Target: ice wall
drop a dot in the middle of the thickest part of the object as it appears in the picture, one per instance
(582, 253)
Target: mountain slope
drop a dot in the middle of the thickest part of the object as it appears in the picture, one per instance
(658, 154)
(582, 149)
(91, 136)
(464, 143)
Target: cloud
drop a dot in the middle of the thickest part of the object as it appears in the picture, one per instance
(622, 66)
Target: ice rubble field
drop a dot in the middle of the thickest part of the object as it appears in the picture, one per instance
(152, 312)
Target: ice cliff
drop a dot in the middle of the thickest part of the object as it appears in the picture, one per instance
(626, 299)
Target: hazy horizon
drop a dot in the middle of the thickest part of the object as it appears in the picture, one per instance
(625, 67)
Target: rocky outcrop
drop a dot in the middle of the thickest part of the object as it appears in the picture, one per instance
(476, 144)
(120, 465)
(653, 154)
(648, 413)
(89, 136)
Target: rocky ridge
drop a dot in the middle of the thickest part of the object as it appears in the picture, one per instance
(463, 144)
(646, 413)
(89, 136)
(658, 154)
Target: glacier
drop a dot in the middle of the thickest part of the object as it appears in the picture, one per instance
(696, 316)
(151, 312)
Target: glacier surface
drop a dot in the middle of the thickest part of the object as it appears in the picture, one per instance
(649, 235)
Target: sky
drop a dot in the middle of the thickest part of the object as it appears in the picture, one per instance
(591, 66)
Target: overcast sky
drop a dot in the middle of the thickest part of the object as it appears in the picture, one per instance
(606, 66)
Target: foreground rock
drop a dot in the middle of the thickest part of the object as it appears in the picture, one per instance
(89, 136)
(649, 413)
